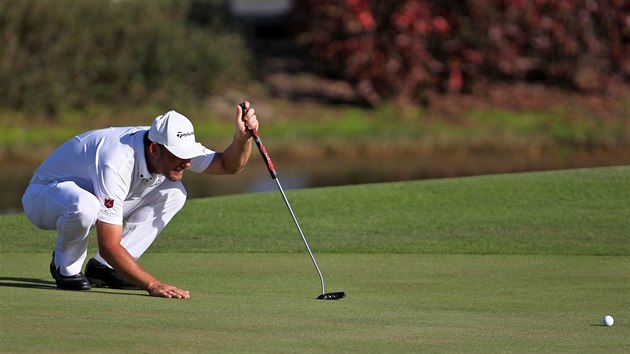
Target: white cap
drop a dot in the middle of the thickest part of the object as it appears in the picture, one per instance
(177, 134)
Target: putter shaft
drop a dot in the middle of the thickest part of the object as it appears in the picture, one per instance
(274, 176)
(297, 224)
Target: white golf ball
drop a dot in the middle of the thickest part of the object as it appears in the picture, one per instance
(608, 320)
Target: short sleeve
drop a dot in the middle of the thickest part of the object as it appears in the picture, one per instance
(111, 190)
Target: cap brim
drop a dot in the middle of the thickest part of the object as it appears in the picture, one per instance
(186, 151)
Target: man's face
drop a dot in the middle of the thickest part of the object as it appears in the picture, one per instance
(169, 165)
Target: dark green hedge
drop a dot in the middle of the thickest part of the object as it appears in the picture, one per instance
(59, 54)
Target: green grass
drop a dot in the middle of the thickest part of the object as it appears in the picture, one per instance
(507, 263)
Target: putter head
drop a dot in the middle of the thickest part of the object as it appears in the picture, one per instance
(332, 296)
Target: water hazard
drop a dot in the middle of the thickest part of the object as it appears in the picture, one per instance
(334, 172)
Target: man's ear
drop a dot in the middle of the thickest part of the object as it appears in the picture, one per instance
(154, 149)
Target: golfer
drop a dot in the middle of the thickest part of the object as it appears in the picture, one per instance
(125, 182)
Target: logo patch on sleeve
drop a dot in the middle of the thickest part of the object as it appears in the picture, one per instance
(109, 203)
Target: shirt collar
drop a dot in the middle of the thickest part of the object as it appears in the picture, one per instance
(142, 168)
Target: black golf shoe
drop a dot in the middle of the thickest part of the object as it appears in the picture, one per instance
(68, 282)
(102, 276)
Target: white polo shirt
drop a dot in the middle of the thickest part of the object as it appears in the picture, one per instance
(109, 163)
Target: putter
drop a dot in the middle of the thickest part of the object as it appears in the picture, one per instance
(274, 176)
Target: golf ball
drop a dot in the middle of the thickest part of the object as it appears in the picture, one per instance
(608, 320)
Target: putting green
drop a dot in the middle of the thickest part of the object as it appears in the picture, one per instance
(265, 303)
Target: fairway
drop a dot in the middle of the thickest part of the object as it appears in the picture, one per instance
(508, 263)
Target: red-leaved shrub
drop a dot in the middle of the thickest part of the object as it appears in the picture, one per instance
(403, 48)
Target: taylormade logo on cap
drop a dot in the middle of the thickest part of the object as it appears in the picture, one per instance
(177, 134)
(183, 135)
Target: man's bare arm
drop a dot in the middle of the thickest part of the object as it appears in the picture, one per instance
(109, 237)
(236, 155)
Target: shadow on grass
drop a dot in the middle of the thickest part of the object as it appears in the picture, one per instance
(29, 283)
(33, 283)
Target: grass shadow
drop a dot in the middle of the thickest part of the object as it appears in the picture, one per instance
(28, 283)
(34, 283)
(119, 292)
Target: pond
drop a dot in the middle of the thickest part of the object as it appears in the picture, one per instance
(254, 178)
(335, 172)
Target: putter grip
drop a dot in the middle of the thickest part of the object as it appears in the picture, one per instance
(261, 148)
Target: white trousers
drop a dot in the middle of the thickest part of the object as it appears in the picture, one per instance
(72, 211)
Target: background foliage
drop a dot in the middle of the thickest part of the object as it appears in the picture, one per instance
(405, 48)
(68, 54)
(65, 54)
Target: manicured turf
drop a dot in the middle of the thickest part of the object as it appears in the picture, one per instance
(508, 263)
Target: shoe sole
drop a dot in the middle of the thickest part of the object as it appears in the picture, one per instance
(98, 283)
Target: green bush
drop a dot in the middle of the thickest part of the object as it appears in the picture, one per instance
(70, 54)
